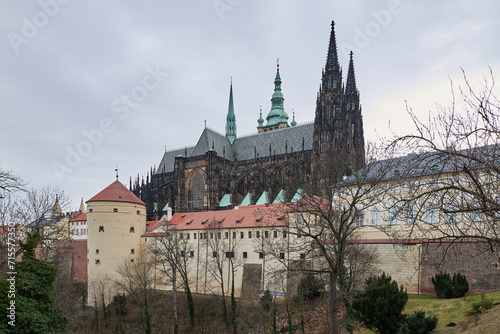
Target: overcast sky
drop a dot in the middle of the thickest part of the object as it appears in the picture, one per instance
(87, 86)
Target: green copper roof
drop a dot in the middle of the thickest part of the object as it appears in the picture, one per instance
(260, 120)
(165, 208)
(277, 115)
(231, 119)
(298, 195)
(263, 198)
(280, 198)
(225, 201)
(247, 200)
(293, 123)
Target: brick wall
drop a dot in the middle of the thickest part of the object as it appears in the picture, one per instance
(476, 261)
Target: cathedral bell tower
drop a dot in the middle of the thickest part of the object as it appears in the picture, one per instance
(338, 126)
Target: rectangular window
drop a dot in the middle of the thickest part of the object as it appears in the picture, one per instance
(132, 229)
(191, 253)
(205, 235)
(245, 255)
(284, 234)
(181, 235)
(183, 253)
(275, 234)
(249, 234)
(187, 235)
(234, 235)
(101, 228)
(242, 235)
(97, 251)
(194, 235)
(375, 217)
(266, 234)
(115, 210)
(131, 260)
(261, 255)
(302, 256)
(227, 235)
(201, 235)
(257, 234)
(282, 256)
(410, 215)
(132, 251)
(392, 216)
(474, 216)
(431, 215)
(229, 255)
(90, 210)
(360, 217)
(214, 254)
(138, 212)
(211, 235)
(218, 235)
(97, 262)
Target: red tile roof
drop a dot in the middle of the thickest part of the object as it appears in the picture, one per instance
(80, 218)
(116, 192)
(150, 223)
(242, 217)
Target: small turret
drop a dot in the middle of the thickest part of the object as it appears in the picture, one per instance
(293, 120)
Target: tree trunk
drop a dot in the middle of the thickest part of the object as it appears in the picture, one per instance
(147, 316)
(233, 307)
(174, 288)
(333, 304)
(190, 302)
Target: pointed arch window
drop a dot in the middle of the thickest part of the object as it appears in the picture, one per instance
(196, 190)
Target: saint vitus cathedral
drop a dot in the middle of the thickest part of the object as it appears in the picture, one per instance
(222, 171)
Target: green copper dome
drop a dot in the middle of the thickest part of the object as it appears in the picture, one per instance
(293, 123)
(277, 115)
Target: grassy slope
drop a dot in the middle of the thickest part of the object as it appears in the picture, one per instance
(455, 310)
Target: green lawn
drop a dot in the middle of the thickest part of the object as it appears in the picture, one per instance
(455, 310)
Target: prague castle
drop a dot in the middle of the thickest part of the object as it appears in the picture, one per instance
(224, 170)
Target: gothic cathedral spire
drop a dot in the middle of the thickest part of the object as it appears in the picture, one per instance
(338, 125)
(231, 119)
(350, 89)
(332, 60)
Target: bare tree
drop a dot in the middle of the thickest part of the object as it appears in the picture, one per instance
(221, 248)
(324, 225)
(173, 250)
(136, 279)
(450, 188)
(9, 182)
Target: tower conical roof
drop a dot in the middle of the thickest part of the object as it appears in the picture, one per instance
(56, 209)
(350, 88)
(231, 119)
(332, 59)
(116, 192)
(82, 206)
